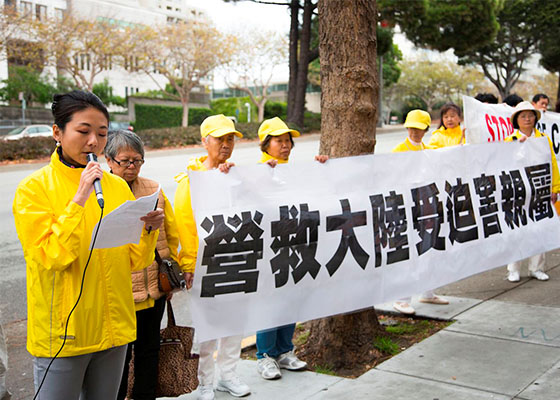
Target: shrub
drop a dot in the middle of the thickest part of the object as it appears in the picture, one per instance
(157, 116)
(275, 109)
(170, 137)
(233, 107)
(26, 148)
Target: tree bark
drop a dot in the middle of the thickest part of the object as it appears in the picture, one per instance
(349, 82)
(185, 120)
(349, 111)
(293, 56)
(303, 65)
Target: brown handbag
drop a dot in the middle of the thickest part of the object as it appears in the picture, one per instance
(177, 367)
(171, 277)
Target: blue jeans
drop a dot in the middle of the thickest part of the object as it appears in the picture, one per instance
(275, 341)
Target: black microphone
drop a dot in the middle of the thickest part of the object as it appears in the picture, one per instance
(96, 183)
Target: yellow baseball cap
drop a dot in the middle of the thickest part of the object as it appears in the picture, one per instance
(418, 119)
(217, 126)
(275, 127)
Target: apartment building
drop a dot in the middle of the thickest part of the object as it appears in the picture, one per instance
(124, 12)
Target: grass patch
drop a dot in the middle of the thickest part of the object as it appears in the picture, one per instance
(407, 328)
(301, 339)
(386, 345)
(324, 369)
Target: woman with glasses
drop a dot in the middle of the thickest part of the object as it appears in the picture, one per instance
(125, 156)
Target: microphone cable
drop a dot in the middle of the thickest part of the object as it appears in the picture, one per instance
(73, 308)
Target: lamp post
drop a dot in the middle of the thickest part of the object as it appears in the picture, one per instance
(248, 112)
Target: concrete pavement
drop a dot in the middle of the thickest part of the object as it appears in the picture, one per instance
(504, 344)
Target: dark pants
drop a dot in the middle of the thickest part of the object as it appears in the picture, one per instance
(146, 351)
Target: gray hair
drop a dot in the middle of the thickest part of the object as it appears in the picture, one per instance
(120, 140)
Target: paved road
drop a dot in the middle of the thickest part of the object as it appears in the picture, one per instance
(160, 165)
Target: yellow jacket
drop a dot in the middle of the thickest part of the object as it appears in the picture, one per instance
(407, 145)
(55, 234)
(555, 172)
(265, 157)
(443, 137)
(186, 223)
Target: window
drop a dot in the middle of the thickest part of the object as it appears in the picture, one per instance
(59, 14)
(26, 8)
(40, 12)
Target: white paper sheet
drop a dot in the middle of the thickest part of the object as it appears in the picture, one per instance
(123, 225)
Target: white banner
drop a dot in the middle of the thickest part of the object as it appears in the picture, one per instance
(491, 123)
(309, 240)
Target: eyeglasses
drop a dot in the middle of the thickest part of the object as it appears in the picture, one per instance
(126, 163)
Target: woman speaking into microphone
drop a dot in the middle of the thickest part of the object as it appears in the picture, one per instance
(80, 307)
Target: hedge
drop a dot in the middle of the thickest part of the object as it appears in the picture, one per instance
(157, 116)
(26, 148)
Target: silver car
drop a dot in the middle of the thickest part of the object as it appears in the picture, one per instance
(29, 131)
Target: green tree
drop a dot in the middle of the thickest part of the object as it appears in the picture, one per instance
(523, 23)
(549, 47)
(30, 82)
(435, 81)
(442, 24)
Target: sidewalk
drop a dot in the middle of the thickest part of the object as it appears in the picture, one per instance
(505, 344)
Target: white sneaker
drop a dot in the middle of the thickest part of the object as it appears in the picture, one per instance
(290, 361)
(513, 276)
(235, 386)
(434, 300)
(268, 368)
(206, 392)
(403, 307)
(540, 275)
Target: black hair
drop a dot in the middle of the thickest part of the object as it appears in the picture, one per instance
(446, 107)
(514, 119)
(486, 98)
(266, 142)
(539, 96)
(513, 99)
(65, 105)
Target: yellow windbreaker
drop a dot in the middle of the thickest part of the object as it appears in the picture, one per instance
(55, 234)
(265, 157)
(443, 137)
(407, 145)
(555, 172)
(184, 215)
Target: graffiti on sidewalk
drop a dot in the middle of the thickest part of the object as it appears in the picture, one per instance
(537, 333)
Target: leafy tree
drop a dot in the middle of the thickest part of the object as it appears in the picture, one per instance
(523, 23)
(434, 81)
(30, 82)
(442, 24)
(82, 49)
(252, 67)
(549, 47)
(185, 53)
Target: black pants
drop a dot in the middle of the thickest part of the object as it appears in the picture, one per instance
(146, 351)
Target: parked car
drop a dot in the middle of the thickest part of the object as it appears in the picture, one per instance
(114, 125)
(29, 131)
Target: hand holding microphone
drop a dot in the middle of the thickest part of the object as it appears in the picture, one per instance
(92, 172)
(96, 182)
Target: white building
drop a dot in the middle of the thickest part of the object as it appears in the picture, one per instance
(123, 12)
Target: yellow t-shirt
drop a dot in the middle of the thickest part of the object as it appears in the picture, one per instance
(407, 145)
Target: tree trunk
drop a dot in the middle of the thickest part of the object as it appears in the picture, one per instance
(293, 57)
(349, 109)
(260, 109)
(185, 120)
(557, 95)
(303, 65)
(349, 81)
